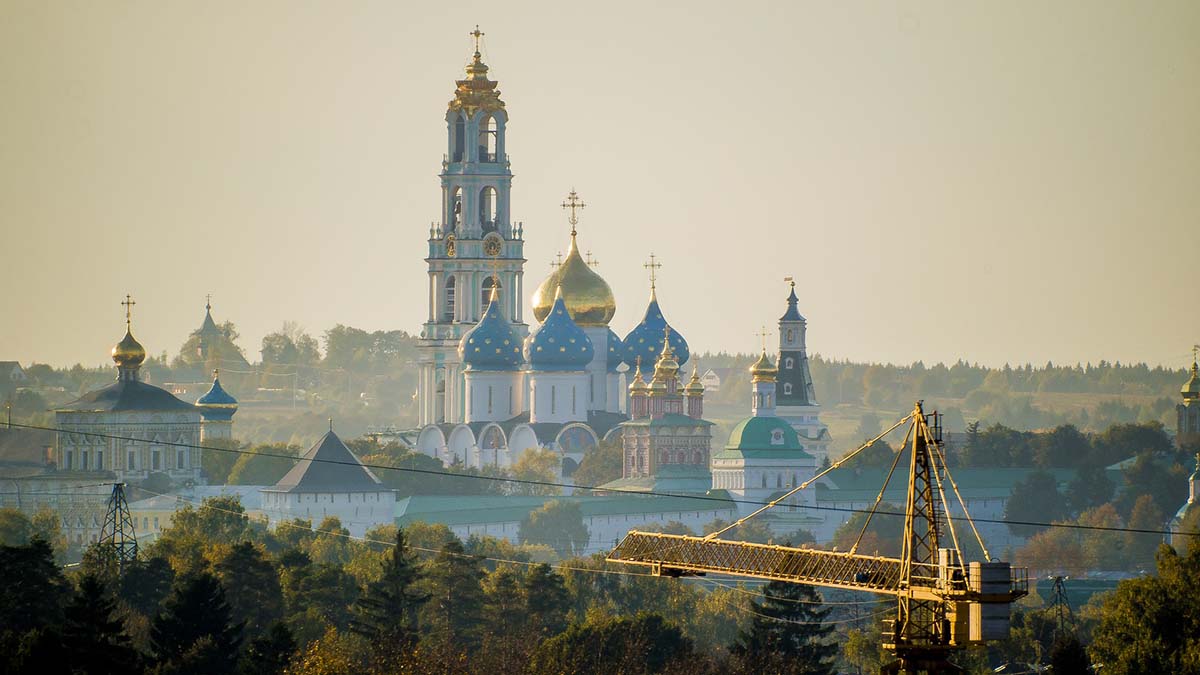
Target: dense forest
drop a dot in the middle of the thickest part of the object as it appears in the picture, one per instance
(219, 592)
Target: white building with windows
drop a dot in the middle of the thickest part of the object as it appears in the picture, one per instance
(329, 481)
(130, 428)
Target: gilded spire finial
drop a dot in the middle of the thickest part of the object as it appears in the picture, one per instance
(791, 281)
(654, 266)
(477, 35)
(216, 373)
(208, 302)
(573, 203)
(129, 303)
(330, 424)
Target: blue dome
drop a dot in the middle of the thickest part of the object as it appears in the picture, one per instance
(559, 343)
(217, 404)
(216, 396)
(615, 354)
(645, 340)
(491, 344)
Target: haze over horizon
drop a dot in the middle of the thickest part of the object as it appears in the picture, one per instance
(1024, 178)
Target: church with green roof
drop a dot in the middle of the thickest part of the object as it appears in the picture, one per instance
(764, 457)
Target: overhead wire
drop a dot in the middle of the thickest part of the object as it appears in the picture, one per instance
(544, 483)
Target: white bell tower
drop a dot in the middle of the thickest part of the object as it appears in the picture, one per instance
(474, 246)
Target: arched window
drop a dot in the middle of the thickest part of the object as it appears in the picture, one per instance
(488, 284)
(787, 363)
(487, 209)
(787, 388)
(666, 457)
(697, 457)
(487, 139)
(791, 334)
(682, 457)
(460, 139)
(448, 303)
(455, 208)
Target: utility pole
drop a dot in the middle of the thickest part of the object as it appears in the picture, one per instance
(118, 540)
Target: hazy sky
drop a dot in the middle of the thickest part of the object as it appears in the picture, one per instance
(1003, 181)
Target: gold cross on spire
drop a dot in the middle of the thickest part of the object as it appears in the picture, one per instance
(1195, 353)
(129, 303)
(573, 203)
(790, 280)
(558, 263)
(764, 334)
(653, 266)
(495, 271)
(477, 35)
(208, 301)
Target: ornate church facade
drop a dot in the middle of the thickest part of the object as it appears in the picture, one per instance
(488, 386)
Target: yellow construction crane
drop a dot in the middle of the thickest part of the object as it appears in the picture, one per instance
(943, 604)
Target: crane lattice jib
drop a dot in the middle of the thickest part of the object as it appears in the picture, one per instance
(680, 555)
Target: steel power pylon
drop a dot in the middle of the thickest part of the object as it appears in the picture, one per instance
(1063, 616)
(943, 604)
(118, 540)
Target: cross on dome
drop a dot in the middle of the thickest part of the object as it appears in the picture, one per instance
(764, 334)
(653, 266)
(573, 203)
(129, 303)
(477, 35)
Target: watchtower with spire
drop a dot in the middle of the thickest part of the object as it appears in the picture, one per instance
(475, 246)
(796, 399)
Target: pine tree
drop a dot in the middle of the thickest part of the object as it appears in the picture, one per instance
(93, 636)
(787, 635)
(252, 585)
(269, 654)
(146, 583)
(454, 611)
(547, 600)
(386, 614)
(194, 625)
(34, 589)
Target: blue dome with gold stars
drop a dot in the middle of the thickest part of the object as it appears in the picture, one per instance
(645, 340)
(491, 344)
(615, 354)
(559, 343)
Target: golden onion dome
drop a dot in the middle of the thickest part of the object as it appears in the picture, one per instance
(128, 353)
(638, 385)
(589, 299)
(763, 370)
(667, 367)
(694, 385)
(1191, 388)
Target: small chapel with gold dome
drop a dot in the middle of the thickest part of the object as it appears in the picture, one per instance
(489, 385)
(132, 429)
